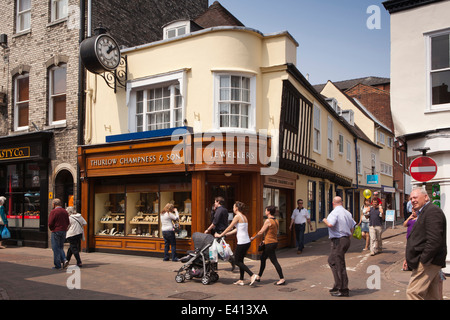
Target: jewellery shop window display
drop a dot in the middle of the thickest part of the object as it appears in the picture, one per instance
(21, 186)
(133, 209)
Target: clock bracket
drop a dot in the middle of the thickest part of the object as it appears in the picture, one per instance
(118, 77)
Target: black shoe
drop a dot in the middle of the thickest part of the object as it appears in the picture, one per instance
(340, 294)
(333, 290)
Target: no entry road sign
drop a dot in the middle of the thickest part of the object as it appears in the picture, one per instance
(423, 169)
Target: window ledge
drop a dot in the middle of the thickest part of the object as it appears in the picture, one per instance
(56, 22)
(56, 126)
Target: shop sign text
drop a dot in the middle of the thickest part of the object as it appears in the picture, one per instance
(14, 153)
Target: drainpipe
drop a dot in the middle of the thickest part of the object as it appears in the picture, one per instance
(81, 98)
(356, 161)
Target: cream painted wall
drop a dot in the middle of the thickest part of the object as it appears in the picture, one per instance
(408, 67)
(201, 54)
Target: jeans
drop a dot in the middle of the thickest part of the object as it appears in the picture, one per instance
(170, 241)
(59, 256)
(75, 247)
(300, 235)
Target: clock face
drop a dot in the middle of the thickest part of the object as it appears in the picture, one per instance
(108, 52)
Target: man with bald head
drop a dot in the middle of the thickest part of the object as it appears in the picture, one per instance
(340, 225)
(426, 248)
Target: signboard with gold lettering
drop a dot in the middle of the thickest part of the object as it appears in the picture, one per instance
(14, 153)
(135, 160)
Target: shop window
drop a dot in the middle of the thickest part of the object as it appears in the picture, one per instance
(321, 200)
(277, 198)
(22, 194)
(133, 208)
(312, 199)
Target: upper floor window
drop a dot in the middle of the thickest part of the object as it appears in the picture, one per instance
(234, 97)
(330, 153)
(23, 15)
(59, 9)
(156, 102)
(316, 134)
(57, 94)
(439, 70)
(21, 102)
(176, 29)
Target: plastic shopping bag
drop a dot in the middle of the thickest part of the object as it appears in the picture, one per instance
(5, 233)
(357, 233)
(213, 253)
(227, 252)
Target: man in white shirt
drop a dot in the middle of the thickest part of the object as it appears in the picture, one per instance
(341, 225)
(299, 217)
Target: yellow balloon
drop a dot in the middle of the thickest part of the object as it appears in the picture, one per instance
(367, 193)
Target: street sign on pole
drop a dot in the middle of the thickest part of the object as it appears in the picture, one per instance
(423, 169)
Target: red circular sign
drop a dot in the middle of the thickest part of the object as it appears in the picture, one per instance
(423, 169)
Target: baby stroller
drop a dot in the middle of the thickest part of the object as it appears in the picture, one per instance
(197, 263)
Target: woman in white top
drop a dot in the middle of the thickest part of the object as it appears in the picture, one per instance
(243, 241)
(364, 223)
(169, 214)
(74, 235)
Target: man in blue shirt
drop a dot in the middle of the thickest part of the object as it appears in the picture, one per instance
(340, 225)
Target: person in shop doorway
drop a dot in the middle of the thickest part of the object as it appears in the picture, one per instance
(169, 214)
(58, 223)
(300, 216)
(340, 229)
(219, 218)
(376, 227)
(74, 235)
(4, 220)
(426, 249)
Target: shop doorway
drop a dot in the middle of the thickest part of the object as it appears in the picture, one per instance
(64, 187)
(228, 192)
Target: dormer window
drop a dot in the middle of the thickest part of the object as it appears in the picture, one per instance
(176, 29)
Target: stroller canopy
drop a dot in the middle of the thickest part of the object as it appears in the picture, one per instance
(202, 239)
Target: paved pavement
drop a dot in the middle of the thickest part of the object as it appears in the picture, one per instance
(26, 274)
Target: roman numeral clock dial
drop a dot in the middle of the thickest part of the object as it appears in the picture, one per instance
(100, 53)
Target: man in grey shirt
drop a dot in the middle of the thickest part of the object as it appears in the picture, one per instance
(340, 225)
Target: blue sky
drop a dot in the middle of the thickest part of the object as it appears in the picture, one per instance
(334, 40)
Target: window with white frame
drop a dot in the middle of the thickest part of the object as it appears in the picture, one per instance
(386, 169)
(156, 102)
(381, 137)
(341, 143)
(235, 107)
(330, 148)
(316, 135)
(349, 151)
(59, 9)
(23, 15)
(439, 70)
(21, 102)
(358, 160)
(176, 29)
(57, 94)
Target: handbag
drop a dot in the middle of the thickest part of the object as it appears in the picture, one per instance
(261, 246)
(357, 233)
(176, 226)
(5, 233)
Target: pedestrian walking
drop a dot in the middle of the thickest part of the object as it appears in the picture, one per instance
(3, 220)
(169, 214)
(364, 223)
(74, 235)
(376, 227)
(340, 229)
(270, 232)
(426, 248)
(243, 241)
(300, 216)
(58, 223)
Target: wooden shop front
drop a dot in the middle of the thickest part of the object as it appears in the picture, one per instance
(125, 184)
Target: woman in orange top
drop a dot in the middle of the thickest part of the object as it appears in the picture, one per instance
(270, 229)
